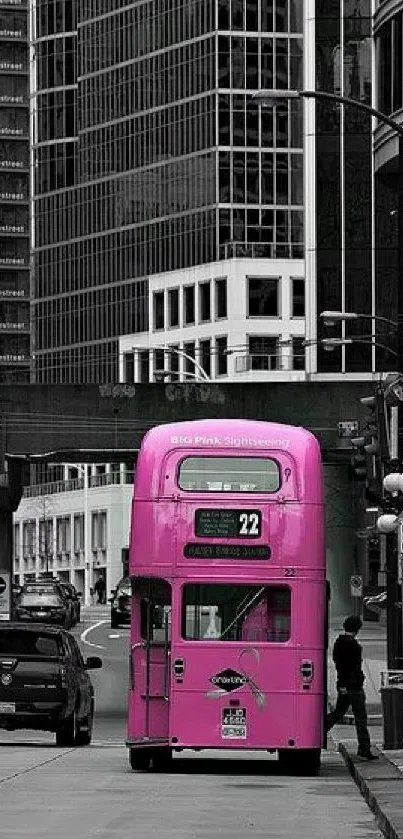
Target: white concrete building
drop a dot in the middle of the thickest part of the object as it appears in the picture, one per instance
(76, 528)
(239, 319)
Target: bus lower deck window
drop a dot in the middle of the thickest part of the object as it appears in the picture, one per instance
(236, 612)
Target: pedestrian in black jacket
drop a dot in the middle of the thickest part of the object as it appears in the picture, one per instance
(347, 656)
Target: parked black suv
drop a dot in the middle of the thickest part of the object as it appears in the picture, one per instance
(44, 683)
(121, 602)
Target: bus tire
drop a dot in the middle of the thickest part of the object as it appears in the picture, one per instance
(139, 759)
(302, 762)
(309, 761)
(162, 759)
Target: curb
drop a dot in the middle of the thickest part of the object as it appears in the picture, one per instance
(384, 777)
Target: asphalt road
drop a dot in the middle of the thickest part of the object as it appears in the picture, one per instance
(52, 793)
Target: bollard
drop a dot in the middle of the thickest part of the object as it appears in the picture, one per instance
(392, 709)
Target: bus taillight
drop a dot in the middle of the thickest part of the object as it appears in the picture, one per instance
(306, 670)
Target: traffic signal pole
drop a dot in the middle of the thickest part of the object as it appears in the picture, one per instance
(393, 606)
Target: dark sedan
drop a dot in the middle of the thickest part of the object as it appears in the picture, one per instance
(43, 606)
(121, 603)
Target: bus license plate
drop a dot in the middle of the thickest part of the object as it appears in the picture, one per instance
(7, 707)
(233, 723)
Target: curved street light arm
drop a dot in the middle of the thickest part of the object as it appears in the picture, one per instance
(356, 103)
(349, 316)
(340, 342)
(184, 354)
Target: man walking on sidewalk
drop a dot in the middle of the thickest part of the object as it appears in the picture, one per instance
(347, 656)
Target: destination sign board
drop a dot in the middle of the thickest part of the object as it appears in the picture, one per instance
(228, 524)
(200, 550)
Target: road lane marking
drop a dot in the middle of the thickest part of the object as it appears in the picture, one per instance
(114, 636)
(84, 634)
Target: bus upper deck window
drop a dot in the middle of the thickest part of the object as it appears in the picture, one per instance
(229, 474)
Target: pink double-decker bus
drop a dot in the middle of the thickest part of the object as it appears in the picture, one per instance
(227, 562)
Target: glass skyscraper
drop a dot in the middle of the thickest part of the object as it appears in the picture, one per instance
(344, 237)
(151, 157)
(14, 193)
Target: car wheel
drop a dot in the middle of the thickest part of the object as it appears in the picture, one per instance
(84, 734)
(66, 734)
(140, 759)
(114, 621)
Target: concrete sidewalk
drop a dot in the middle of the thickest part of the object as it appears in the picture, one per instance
(381, 784)
(380, 781)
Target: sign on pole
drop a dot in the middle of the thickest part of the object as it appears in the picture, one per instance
(4, 596)
(356, 585)
(400, 551)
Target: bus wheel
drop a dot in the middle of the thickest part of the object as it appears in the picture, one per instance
(305, 762)
(139, 759)
(162, 759)
(309, 761)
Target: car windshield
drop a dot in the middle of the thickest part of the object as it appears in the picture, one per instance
(40, 599)
(124, 587)
(19, 642)
(39, 589)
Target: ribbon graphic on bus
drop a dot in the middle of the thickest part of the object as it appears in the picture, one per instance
(229, 680)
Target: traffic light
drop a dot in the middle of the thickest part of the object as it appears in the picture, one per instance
(374, 556)
(371, 447)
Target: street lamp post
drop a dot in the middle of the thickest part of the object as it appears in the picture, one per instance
(199, 373)
(88, 560)
(271, 98)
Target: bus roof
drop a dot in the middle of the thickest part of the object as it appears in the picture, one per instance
(229, 436)
(229, 433)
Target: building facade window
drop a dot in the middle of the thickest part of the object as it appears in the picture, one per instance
(173, 307)
(298, 353)
(16, 541)
(173, 362)
(29, 538)
(188, 305)
(205, 355)
(188, 367)
(129, 367)
(221, 357)
(63, 540)
(144, 366)
(78, 531)
(46, 536)
(297, 298)
(264, 352)
(204, 302)
(98, 530)
(221, 298)
(263, 297)
(159, 310)
(159, 361)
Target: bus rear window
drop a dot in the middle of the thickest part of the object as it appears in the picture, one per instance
(229, 474)
(236, 613)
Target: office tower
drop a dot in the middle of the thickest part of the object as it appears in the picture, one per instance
(151, 160)
(14, 192)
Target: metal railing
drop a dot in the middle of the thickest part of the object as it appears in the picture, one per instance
(74, 484)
